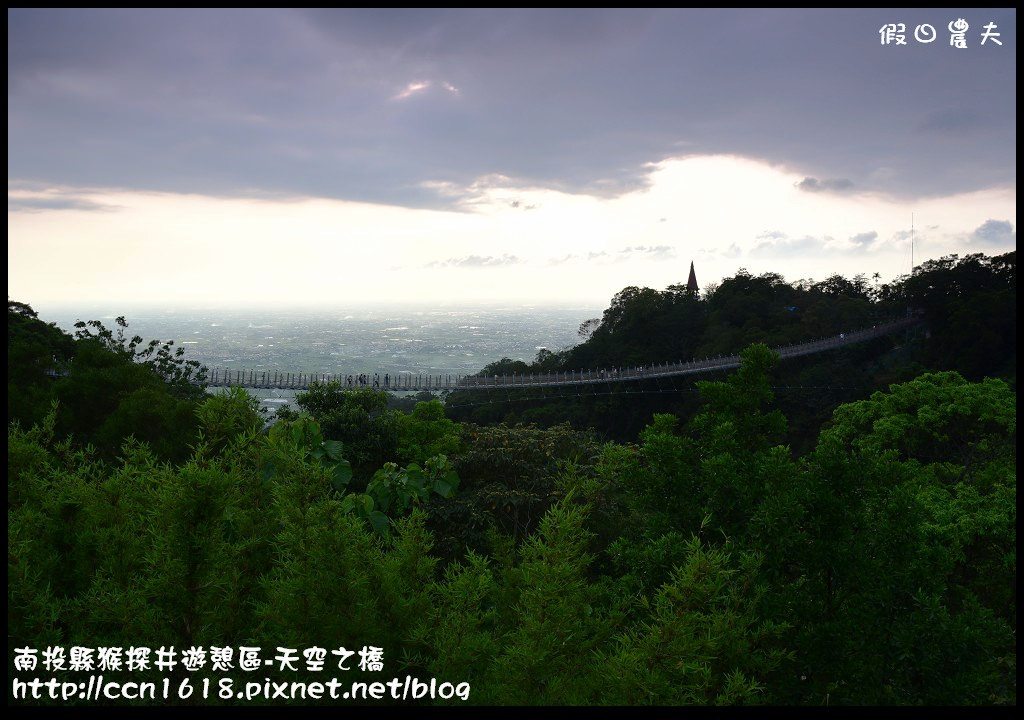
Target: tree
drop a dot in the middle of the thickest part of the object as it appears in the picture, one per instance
(901, 564)
(707, 641)
(186, 378)
(106, 397)
(37, 352)
(969, 305)
(587, 328)
(425, 433)
(359, 419)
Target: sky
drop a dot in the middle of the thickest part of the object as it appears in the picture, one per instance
(328, 157)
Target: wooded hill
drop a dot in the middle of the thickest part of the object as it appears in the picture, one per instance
(704, 559)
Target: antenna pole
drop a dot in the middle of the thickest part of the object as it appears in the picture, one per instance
(911, 243)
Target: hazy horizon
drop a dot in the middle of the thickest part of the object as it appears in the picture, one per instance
(440, 340)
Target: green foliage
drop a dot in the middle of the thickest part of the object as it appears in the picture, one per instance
(137, 554)
(109, 389)
(660, 477)
(970, 307)
(390, 492)
(640, 326)
(736, 439)
(706, 642)
(736, 417)
(642, 566)
(106, 398)
(505, 366)
(960, 438)
(426, 433)
(185, 378)
(908, 496)
(906, 521)
(395, 490)
(226, 415)
(359, 419)
(458, 636)
(703, 564)
(719, 468)
(553, 624)
(399, 488)
(936, 418)
(745, 309)
(509, 478)
(303, 438)
(34, 350)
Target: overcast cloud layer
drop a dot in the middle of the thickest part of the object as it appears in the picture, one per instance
(334, 156)
(388, 105)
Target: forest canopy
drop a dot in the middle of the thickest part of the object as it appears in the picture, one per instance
(705, 558)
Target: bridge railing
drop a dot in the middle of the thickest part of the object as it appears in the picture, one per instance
(407, 382)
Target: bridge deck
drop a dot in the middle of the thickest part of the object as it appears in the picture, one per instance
(265, 379)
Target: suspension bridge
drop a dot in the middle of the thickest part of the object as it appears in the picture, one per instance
(408, 382)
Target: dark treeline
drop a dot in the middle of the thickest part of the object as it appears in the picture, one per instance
(677, 548)
(967, 306)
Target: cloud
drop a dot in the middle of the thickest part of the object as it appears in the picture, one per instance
(315, 102)
(411, 89)
(476, 261)
(484, 193)
(422, 86)
(838, 185)
(777, 244)
(862, 240)
(718, 253)
(601, 257)
(950, 122)
(43, 204)
(657, 252)
(994, 233)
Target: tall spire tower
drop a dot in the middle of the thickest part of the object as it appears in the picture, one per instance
(691, 284)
